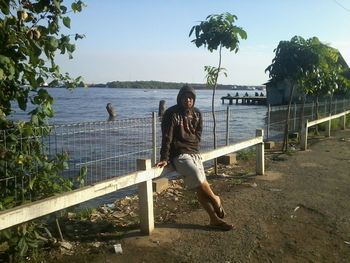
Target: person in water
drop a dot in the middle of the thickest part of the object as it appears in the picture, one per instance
(181, 136)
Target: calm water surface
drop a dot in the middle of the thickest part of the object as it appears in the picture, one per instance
(89, 104)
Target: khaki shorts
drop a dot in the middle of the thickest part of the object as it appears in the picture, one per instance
(190, 166)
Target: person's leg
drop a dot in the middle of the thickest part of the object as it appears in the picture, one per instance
(214, 199)
(191, 168)
(205, 196)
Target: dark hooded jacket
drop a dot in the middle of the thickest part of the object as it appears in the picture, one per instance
(181, 128)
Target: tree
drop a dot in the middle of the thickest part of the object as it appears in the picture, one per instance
(311, 66)
(30, 39)
(293, 61)
(215, 33)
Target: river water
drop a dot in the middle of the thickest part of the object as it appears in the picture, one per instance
(89, 104)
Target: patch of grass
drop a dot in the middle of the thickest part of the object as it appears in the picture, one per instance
(246, 155)
(85, 213)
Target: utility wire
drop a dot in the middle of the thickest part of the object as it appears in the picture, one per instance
(346, 9)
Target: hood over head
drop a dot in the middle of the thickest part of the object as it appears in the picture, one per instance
(183, 90)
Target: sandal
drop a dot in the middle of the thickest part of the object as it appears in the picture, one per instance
(222, 226)
(221, 212)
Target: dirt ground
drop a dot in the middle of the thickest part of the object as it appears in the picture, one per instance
(299, 211)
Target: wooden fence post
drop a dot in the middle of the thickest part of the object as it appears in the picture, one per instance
(260, 156)
(145, 199)
(303, 137)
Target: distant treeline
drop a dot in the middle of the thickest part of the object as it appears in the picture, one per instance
(166, 85)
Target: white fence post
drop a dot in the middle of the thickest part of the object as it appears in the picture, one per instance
(260, 158)
(145, 199)
(304, 134)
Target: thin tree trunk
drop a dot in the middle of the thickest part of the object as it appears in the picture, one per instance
(213, 110)
(317, 115)
(286, 130)
(301, 115)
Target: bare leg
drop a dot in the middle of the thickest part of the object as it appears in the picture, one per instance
(214, 199)
(207, 199)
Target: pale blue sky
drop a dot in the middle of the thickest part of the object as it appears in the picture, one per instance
(148, 40)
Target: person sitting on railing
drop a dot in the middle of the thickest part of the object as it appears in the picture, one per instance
(181, 136)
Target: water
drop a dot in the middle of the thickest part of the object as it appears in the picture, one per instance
(89, 104)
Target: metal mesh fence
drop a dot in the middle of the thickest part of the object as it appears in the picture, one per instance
(275, 123)
(108, 149)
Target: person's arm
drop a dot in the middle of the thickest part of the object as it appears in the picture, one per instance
(199, 127)
(167, 138)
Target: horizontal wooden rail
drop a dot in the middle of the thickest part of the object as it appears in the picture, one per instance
(331, 117)
(307, 125)
(29, 211)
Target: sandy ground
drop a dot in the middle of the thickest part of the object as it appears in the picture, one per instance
(299, 211)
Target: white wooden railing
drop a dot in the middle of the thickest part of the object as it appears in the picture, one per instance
(143, 178)
(307, 125)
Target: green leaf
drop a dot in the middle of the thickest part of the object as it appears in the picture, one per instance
(66, 21)
(1, 74)
(22, 244)
(78, 36)
(22, 103)
(52, 43)
(5, 6)
(31, 183)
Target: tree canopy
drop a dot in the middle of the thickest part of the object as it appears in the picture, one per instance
(30, 38)
(313, 66)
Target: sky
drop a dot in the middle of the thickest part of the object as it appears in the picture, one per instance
(134, 40)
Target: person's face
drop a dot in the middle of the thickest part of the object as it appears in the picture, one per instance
(187, 100)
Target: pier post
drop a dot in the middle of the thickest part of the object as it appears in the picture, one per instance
(260, 154)
(145, 192)
(111, 112)
(161, 108)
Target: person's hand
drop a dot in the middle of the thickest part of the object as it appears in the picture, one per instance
(161, 164)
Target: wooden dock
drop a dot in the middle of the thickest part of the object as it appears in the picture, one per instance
(245, 100)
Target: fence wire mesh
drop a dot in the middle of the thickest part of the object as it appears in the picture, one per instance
(277, 115)
(108, 149)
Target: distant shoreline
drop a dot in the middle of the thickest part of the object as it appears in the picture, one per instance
(169, 85)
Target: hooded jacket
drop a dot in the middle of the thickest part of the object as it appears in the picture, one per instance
(181, 128)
